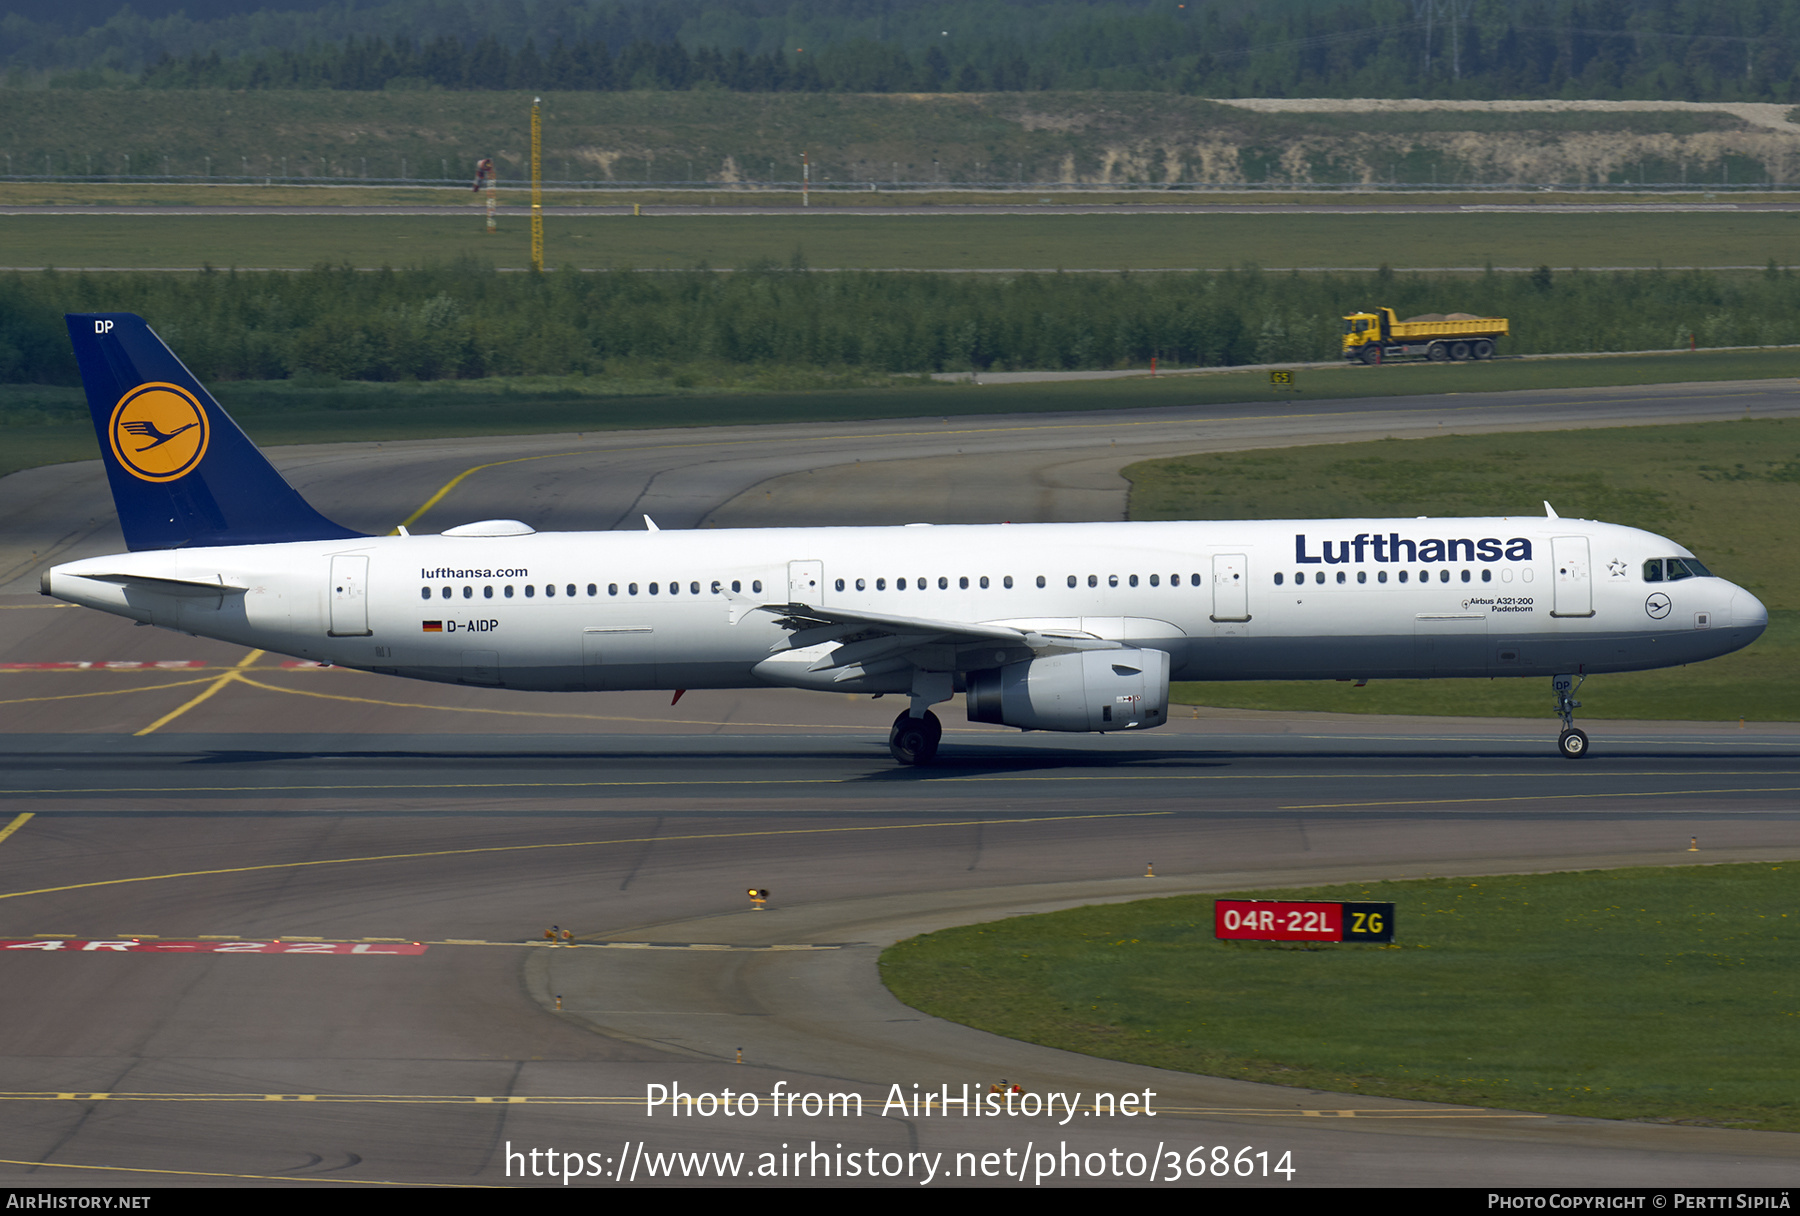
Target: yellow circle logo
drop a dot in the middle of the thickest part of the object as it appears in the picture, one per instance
(159, 432)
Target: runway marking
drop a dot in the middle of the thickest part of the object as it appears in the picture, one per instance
(151, 943)
(259, 946)
(1000, 779)
(18, 822)
(1328, 806)
(218, 682)
(336, 1179)
(576, 844)
(635, 1100)
(134, 666)
(107, 665)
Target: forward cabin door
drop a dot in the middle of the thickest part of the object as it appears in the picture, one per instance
(349, 596)
(1574, 594)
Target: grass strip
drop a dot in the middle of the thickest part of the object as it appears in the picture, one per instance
(840, 239)
(1665, 995)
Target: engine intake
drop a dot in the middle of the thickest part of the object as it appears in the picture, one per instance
(1089, 690)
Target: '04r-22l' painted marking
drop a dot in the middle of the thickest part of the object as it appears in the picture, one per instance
(161, 947)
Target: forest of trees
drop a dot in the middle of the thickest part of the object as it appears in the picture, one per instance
(463, 322)
(1677, 49)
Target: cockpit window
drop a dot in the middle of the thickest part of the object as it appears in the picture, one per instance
(1673, 569)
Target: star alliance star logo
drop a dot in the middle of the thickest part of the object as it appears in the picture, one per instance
(1616, 568)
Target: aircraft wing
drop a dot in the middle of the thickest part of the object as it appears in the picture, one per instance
(859, 643)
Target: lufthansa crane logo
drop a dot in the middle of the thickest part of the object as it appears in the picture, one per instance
(159, 432)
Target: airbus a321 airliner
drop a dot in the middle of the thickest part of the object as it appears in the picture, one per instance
(1062, 627)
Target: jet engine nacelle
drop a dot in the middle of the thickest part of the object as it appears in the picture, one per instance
(1088, 690)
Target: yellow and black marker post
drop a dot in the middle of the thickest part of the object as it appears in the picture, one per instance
(537, 187)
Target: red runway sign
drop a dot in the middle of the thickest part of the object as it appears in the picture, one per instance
(1274, 920)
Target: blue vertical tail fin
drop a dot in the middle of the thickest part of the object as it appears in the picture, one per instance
(182, 473)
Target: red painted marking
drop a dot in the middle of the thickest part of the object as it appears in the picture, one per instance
(108, 664)
(132, 946)
(293, 663)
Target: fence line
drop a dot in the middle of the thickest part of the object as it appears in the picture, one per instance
(748, 185)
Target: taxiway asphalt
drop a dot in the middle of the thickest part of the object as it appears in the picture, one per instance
(297, 807)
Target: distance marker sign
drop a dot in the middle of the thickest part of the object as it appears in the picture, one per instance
(1276, 920)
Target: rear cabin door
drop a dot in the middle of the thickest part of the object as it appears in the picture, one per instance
(349, 596)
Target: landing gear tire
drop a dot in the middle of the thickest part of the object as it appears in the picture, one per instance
(915, 740)
(1572, 743)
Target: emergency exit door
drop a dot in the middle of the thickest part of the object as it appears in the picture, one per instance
(1231, 587)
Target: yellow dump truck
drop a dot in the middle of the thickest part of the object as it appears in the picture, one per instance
(1375, 337)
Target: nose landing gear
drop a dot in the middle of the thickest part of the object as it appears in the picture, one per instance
(1572, 743)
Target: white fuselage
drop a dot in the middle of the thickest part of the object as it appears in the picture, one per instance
(1300, 599)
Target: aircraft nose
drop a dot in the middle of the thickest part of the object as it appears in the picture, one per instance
(1747, 612)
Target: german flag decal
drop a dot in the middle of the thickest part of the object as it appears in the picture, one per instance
(434, 626)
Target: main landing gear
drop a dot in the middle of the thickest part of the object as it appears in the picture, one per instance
(915, 740)
(1572, 743)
